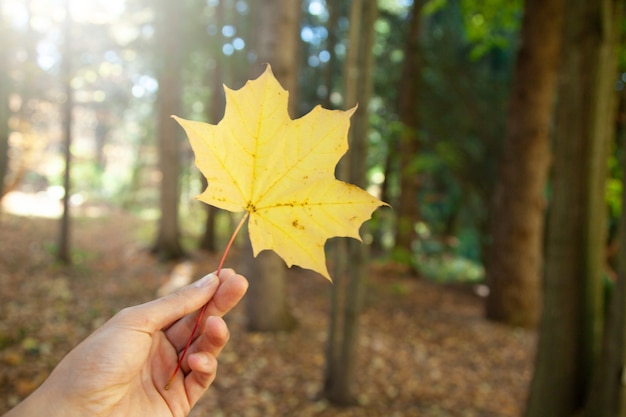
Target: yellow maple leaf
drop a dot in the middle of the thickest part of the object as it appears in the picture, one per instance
(281, 171)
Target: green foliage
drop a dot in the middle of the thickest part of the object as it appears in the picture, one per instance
(614, 188)
(443, 260)
(462, 128)
(432, 6)
(447, 268)
(488, 24)
(462, 97)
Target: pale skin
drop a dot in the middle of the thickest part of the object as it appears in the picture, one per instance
(123, 367)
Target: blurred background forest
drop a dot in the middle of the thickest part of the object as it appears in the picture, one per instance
(495, 129)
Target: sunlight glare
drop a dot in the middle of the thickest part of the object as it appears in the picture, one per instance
(318, 8)
(97, 11)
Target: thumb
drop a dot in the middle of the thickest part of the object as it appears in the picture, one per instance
(157, 314)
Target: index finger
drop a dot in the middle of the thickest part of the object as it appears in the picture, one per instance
(162, 312)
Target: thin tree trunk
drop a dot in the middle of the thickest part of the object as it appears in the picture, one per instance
(4, 106)
(167, 245)
(514, 258)
(336, 387)
(358, 251)
(349, 288)
(216, 110)
(620, 289)
(606, 384)
(407, 212)
(64, 250)
(331, 43)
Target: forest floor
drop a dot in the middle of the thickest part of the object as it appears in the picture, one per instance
(425, 349)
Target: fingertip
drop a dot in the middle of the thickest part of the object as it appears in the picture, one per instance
(228, 295)
(229, 274)
(217, 331)
(238, 284)
(206, 280)
(226, 273)
(243, 281)
(203, 363)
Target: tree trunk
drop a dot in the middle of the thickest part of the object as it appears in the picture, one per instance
(208, 240)
(64, 251)
(619, 294)
(349, 287)
(4, 107)
(571, 325)
(336, 385)
(407, 211)
(331, 43)
(277, 42)
(167, 245)
(514, 257)
(277, 24)
(216, 111)
(606, 390)
(267, 309)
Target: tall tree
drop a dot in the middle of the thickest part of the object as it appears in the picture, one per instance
(215, 111)
(336, 379)
(571, 325)
(168, 46)
(407, 212)
(607, 394)
(514, 255)
(4, 104)
(64, 250)
(277, 24)
(349, 288)
(331, 43)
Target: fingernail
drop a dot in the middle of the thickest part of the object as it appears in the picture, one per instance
(206, 280)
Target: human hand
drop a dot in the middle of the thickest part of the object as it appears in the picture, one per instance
(122, 368)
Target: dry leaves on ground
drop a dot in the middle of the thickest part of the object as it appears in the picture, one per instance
(425, 349)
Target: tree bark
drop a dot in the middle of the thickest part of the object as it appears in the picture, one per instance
(4, 106)
(336, 385)
(606, 391)
(331, 43)
(514, 257)
(571, 325)
(167, 245)
(407, 210)
(215, 113)
(267, 308)
(64, 250)
(349, 287)
(619, 364)
(277, 43)
(276, 40)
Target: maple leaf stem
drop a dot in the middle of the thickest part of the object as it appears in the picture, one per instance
(204, 307)
(232, 240)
